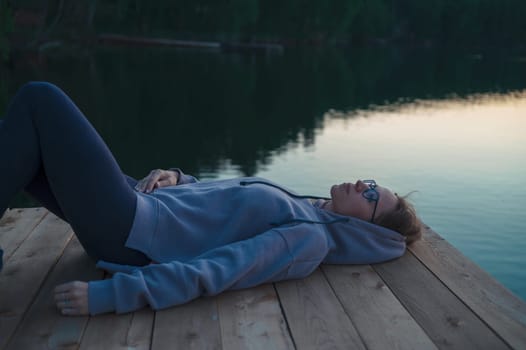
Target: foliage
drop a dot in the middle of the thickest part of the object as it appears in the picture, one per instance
(458, 22)
(246, 108)
(441, 21)
(6, 26)
(3, 93)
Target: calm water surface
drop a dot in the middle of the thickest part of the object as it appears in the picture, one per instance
(451, 126)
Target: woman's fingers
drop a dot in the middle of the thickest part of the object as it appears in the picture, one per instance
(147, 184)
(156, 179)
(154, 176)
(72, 298)
(140, 185)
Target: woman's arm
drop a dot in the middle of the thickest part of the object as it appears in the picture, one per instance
(278, 254)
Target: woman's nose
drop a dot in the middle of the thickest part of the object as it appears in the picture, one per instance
(360, 185)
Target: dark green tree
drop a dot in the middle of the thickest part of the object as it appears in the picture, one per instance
(6, 27)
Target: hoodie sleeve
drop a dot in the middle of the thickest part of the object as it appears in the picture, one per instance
(184, 178)
(271, 256)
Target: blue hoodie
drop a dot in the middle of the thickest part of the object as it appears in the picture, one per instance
(208, 237)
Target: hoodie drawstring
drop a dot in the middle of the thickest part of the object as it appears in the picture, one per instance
(246, 183)
(343, 219)
(307, 221)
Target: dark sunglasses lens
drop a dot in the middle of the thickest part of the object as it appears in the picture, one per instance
(371, 194)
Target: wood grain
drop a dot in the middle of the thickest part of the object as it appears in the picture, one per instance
(444, 317)
(111, 331)
(315, 317)
(44, 327)
(22, 277)
(191, 326)
(16, 225)
(504, 312)
(375, 312)
(432, 297)
(252, 319)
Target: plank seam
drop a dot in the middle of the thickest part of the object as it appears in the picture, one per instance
(83, 333)
(403, 304)
(289, 330)
(152, 330)
(216, 305)
(343, 307)
(38, 290)
(6, 258)
(128, 329)
(152, 335)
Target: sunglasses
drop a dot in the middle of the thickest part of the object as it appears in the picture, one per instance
(371, 194)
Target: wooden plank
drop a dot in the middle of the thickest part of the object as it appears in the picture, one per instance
(315, 317)
(27, 268)
(380, 319)
(44, 327)
(504, 312)
(16, 225)
(126, 331)
(191, 326)
(252, 319)
(140, 333)
(444, 317)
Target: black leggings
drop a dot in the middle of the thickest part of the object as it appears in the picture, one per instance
(49, 149)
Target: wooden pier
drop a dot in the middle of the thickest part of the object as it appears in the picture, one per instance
(431, 298)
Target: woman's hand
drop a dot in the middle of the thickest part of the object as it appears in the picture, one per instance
(72, 298)
(156, 179)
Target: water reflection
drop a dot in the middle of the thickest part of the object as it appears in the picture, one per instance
(159, 107)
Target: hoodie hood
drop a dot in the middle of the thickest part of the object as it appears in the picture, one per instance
(355, 241)
(350, 240)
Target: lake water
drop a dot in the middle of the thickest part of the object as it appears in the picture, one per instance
(449, 125)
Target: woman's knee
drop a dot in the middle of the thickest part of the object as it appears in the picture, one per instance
(36, 92)
(33, 89)
(45, 101)
(25, 102)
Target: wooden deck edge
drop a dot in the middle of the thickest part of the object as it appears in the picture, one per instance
(492, 302)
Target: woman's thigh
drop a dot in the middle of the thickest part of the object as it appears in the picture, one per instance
(77, 168)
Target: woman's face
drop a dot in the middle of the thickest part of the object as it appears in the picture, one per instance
(347, 199)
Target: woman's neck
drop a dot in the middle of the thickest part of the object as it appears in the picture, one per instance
(327, 205)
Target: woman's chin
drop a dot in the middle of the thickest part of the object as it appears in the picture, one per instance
(333, 190)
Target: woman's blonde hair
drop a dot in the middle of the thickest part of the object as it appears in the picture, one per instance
(402, 219)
